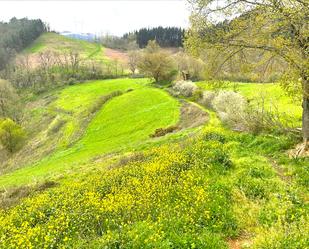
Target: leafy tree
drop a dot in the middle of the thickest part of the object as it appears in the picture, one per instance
(133, 57)
(157, 63)
(188, 66)
(279, 28)
(12, 135)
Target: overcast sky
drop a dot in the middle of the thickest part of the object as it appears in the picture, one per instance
(115, 17)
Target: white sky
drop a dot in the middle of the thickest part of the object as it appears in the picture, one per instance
(115, 17)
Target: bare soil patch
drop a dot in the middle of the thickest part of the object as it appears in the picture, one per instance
(192, 116)
(116, 54)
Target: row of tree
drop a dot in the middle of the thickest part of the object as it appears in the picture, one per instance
(50, 69)
(16, 35)
(165, 37)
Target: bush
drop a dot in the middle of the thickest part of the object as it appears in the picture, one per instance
(255, 117)
(231, 108)
(157, 63)
(229, 102)
(207, 98)
(197, 95)
(184, 88)
(12, 135)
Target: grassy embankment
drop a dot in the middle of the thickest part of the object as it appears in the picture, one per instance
(124, 122)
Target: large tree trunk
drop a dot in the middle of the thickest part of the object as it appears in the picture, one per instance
(305, 127)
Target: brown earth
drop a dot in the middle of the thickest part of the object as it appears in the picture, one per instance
(116, 54)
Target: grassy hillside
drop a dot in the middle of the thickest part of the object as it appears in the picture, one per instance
(124, 122)
(91, 176)
(58, 43)
(192, 195)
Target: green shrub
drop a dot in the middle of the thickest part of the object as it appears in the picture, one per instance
(184, 88)
(12, 135)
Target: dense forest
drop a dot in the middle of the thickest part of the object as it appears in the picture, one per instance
(16, 35)
(165, 37)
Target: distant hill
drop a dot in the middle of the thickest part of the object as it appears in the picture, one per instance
(79, 36)
(60, 43)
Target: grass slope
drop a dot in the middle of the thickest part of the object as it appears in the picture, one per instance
(123, 122)
(74, 103)
(188, 195)
(58, 43)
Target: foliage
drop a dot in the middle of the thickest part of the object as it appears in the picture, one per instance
(126, 42)
(207, 98)
(157, 63)
(188, 196)
(163, 131)
(12, 135)
(184, 88)
(9, 101)
(230, 107)
(274, 98)
(16, 35)
(277, 28)
(165, 37)
(189, 67)
(54, 60)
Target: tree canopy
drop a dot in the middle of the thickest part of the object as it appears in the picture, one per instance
(279, 28)
(165, 37)
(16, 35)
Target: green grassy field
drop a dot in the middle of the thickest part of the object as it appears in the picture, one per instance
(83, 97)
(122, 123)
(58, 43)
(274, 96)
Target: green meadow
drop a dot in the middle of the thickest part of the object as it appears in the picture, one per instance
(123, 122)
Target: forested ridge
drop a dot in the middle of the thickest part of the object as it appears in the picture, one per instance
(165, 37)
(16, 35)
